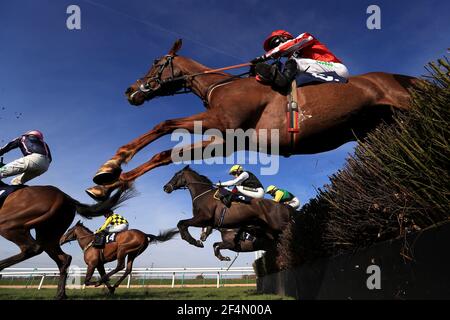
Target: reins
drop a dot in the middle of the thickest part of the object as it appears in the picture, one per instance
(236, 66)
(197, 182)
(144, 87)
(203, 193)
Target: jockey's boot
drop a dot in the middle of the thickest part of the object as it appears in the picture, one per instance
(271, 74)
(100, 239)
(226, 199)
(266, 72)
(285, 78)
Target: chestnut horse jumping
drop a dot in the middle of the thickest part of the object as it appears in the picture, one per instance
(128, 245)
(335, 113)
(48, 211)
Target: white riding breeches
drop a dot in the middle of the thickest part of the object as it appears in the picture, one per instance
(117, 228)
(26, 168)
(294, 203)
(316, 66)
(257, 193)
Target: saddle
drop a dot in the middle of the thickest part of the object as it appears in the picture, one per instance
(6, 190)
(227, 197)
(103, 238)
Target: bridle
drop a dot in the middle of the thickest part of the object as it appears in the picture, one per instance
(144, 83)
(186, 186)
(89, 245)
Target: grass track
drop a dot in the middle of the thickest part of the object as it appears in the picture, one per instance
(230, 293)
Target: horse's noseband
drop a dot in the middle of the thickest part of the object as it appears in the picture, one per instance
(145, 82)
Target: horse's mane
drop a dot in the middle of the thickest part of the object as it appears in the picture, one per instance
(202, 178)
(85, 228)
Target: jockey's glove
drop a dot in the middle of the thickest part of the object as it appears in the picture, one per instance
(258, 59)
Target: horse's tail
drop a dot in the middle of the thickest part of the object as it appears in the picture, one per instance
(163, 235)
(89, 211)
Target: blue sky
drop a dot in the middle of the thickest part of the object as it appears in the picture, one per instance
(70, 85)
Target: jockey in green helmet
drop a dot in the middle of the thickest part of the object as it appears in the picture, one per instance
(283, 196)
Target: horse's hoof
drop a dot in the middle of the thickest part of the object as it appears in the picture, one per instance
(98, 193)
(199, 244)
(61, 297)
(108, 173)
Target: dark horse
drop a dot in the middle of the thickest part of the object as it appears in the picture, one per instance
(335, 113)
(128, 245)
(261, 218)
(48, 211)
(238, 241)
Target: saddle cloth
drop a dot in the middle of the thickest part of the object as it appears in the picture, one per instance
(101, 239)
(6, 190)
(111, 237)
(304, 78)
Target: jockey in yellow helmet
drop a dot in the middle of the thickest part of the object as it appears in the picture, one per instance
(245, 181)
(283, 196)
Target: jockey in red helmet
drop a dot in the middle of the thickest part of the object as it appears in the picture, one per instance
(305, 54)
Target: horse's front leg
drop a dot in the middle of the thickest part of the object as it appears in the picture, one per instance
(196, 221)
(161, 159)
(205, 233)
(89, 273)
(110, 171)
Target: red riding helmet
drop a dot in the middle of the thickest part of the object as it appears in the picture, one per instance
(35, 133)
(277, 33)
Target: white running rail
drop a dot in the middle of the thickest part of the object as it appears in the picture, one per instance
(167, 273)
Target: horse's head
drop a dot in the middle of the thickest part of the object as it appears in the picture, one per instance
(178, 181)
(164, 78)
(70, 235)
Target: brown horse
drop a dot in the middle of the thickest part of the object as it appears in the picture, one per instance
(237, 241)
(261, 218)
(128, 245)
(48, 211)
(335, 113)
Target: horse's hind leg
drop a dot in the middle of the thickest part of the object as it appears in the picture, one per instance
(120, 266)
(127, 270)
(63, 261)
(29, 247)
(220, 246)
